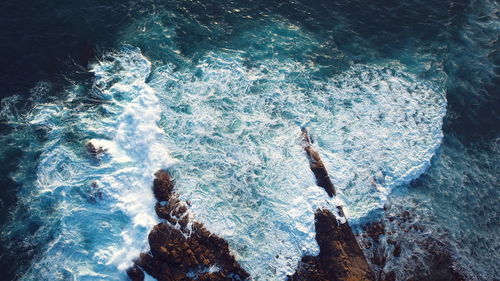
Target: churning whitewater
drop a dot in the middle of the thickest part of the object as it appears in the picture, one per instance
(101, 204)
(230, 133)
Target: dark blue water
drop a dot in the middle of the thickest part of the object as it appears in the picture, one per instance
(405, 94)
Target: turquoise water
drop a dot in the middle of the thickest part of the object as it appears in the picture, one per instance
(220, 102)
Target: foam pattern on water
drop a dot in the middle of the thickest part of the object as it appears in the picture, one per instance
(236, 132)
(384, 127)
(96, 211)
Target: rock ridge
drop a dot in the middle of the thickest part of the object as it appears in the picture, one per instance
(340, 258)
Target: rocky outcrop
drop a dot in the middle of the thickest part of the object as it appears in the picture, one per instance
(317, 166)
(340, 257)
(181, 248)
(95, 151)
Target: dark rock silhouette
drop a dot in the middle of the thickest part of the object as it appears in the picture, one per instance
(95, 151)
(340, 257)
(317, 166)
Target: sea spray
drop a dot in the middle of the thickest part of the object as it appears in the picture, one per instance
(421, 40)
(94, 209)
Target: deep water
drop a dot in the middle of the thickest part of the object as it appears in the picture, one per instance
(400, 98)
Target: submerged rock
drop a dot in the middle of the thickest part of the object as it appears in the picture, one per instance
(95, 151)
(386, 247)
(182, 249)
(135, 273)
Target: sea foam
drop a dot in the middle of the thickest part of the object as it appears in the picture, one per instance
(236, 131)
(101, 203)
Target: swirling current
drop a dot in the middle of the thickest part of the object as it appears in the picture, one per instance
(400, 99)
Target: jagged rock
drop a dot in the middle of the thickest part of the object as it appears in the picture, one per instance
(215, 276)
(162, 186)
(440, 266)
(162, 211)
(176, 252)
(317, 166)
(340, 257)
(309, 268)
(183, 222)
(94, 151)
(374, 230)
(339, 249)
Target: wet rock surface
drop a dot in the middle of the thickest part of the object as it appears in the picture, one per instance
(95, 151)
(317, 166)
(386, 240)
(181, 248)
(340, 257)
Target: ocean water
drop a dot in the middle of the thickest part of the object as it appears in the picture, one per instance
(399, 99)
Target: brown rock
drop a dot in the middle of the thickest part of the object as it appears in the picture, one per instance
(135, 273)
(317, 166)
(375, 230)
(173, 253)
(162, 186)
(183, 221)
(340, 257)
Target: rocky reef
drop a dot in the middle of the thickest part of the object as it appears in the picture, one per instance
(183, 249)
(340, 257)
(316, 165)
(386, 239)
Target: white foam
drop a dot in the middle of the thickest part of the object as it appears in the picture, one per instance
(138, 138)
(102, 236)
(236, 132)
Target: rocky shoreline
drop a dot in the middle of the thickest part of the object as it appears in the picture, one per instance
(385, 246)
(379, 242)
(316, 165)
(183, 249)
(340, 257)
